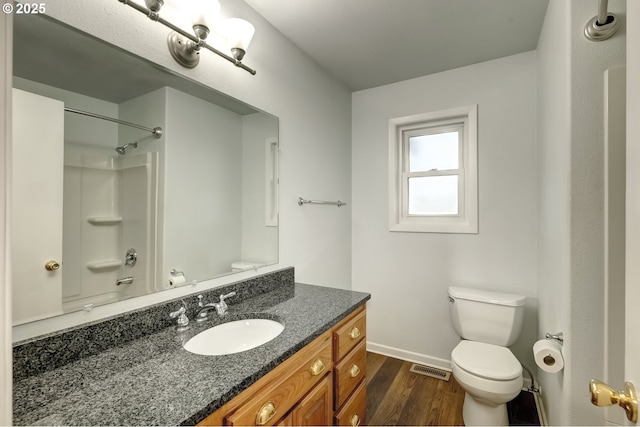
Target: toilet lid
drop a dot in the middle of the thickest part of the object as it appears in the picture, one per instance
(486, 360)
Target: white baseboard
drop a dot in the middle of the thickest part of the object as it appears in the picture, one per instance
(409, 356)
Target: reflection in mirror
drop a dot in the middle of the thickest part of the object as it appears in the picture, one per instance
(106, 211)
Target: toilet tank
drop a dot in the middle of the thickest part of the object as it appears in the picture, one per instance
(486, 316)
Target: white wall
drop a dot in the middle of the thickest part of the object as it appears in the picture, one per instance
(259, 242)
(315, 130)
(5, 181)
(571, 250)
(408, 273)
(203, 157)
(554, 181)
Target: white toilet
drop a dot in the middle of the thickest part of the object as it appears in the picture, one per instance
(482, 364)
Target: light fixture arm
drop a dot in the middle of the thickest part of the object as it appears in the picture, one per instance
(196, 42)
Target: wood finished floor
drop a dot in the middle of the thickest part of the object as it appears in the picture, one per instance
(396, 396)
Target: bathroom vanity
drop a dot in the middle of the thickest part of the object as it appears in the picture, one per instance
(133, 369)
(326, 377)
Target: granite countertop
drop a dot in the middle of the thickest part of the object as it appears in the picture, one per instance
(152, 380)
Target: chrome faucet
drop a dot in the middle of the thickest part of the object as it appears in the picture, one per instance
(221, 307)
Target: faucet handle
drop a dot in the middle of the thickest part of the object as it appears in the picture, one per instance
(229, 295)
(200, 303)
(183, 320)
(222, 306)
(178, 312)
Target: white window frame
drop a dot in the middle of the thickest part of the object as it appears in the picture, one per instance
(464, 120)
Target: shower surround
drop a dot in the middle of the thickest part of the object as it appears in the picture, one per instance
(109, 209)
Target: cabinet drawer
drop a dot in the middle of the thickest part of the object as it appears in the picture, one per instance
(354, 412)
(298, 375)
(350, 333)
(349, 372)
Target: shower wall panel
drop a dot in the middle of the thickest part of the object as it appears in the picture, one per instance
(138, 199)
(109, 208)
(92, 229)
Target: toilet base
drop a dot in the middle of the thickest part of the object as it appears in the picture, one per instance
(476, 413)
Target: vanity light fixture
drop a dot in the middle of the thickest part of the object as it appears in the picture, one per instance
(185, 47)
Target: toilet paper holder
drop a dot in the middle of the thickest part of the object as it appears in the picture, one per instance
(175, 272)
(557, 337)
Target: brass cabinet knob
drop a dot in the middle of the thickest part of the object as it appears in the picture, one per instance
(354, 371)
(266, 413)
(355, 420)
(604, 395)
(355, 332)
(52, 265)
(317, 368)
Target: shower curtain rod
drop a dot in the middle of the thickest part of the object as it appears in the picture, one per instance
(157, 131)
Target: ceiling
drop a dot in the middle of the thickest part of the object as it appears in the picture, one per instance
(370, 43)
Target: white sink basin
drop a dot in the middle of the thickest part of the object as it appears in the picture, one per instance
(234, 337)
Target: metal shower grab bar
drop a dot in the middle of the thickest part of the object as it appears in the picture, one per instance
(302, 201)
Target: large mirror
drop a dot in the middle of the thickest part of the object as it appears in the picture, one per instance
(105, 211)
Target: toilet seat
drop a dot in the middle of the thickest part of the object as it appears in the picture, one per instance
(487, 361)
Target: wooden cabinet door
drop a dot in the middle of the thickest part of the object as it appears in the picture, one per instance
(286, 421)
(315, 409)
(278, 392)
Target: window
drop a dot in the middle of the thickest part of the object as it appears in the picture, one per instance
(433, 172)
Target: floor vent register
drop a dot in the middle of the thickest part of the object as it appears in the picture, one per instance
(430, 371)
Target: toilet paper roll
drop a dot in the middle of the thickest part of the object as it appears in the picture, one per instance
(175, 281)
(548, 355)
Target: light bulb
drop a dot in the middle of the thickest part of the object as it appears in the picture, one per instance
(204, 12)
(175, 12)
(238, 33)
